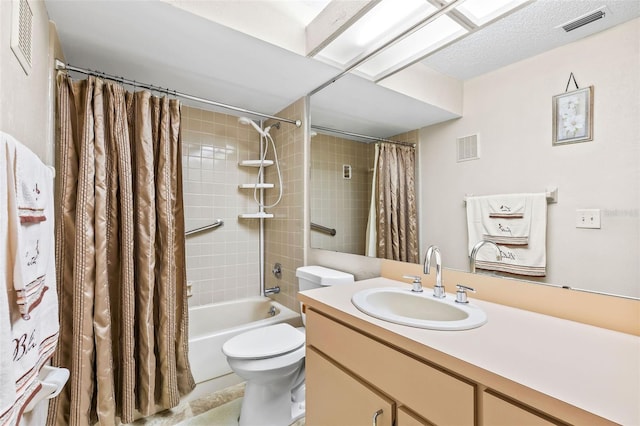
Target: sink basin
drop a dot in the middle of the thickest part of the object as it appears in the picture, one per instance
(422, 310)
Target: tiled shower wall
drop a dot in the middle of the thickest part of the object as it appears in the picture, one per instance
(337, 202)
(223, 263)
(284, 234)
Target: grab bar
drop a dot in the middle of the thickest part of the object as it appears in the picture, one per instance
(329, 231)
(217, 223)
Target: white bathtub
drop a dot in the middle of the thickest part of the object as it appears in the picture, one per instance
(212, 325)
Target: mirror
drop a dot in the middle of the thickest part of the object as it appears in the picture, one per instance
(510, 109)
(340, 192)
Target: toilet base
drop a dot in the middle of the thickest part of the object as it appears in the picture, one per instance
(262, 406)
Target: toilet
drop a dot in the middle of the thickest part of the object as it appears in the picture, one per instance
(271, 360)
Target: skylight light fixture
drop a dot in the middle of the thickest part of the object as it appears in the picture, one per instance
(383, 22)
(482, 11)
(426, 39)
(395, 34)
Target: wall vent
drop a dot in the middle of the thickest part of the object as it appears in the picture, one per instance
(22, 33)
(468, 148)
(584, 19)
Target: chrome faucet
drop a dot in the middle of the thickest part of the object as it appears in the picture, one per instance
(272, 290)
(474, 253)
(438, 289)
(417, 283)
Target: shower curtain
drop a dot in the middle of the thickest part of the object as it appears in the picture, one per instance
(396, 213)
(119, 254)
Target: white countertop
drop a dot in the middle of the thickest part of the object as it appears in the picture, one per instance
(591, 368)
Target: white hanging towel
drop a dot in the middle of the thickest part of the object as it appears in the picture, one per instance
(30, 276)
(31, 183)
(7, 382)
(509, 206)
(522, 241)
(505, 219)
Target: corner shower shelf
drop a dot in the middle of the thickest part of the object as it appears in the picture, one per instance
(260, 186)
(259, 215)
(255, 185)
(255, 163)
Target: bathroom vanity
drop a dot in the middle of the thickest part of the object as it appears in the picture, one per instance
(519, 368)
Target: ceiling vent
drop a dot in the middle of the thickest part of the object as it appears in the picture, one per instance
(468, 148)
(22, 33)
(584, 19)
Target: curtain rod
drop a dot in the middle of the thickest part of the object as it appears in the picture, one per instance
(373, 138)
(62, 66)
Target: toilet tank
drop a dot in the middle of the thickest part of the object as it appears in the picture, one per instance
(310, 277)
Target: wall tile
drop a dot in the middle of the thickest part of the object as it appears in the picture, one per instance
(222, 264)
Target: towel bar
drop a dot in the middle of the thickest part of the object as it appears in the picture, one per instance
(552, 196)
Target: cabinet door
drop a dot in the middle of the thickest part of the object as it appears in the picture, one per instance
(408, 418)
(498, 412)
(334, 397)
(431, 393)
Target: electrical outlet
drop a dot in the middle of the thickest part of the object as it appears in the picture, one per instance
(588, 218)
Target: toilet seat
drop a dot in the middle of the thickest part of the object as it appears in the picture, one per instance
(265, 342)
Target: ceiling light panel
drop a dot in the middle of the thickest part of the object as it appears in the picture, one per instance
(427, 39)
(482, 11)
(382, 23)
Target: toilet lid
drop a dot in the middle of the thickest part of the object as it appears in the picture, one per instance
(264, 342)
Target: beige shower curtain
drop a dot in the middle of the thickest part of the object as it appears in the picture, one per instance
(396, 213)
(119, 254)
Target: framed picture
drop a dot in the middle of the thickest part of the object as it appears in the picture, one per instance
(573, 116)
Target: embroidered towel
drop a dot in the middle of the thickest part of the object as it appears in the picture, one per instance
(516, 259)
(508, 229)
(7, 382)
(33, 337)
(508, 206)
(30, 176)
(32, 185)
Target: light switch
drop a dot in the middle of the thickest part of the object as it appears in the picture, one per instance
(588, 218)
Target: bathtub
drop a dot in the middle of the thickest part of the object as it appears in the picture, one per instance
(213, 324)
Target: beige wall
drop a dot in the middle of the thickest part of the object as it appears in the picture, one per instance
(25, 100)
(510, 110)
(336, 202)
(222, 264)
(425, 84)
(285, 238)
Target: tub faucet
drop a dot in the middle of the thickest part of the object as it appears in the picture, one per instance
(474, 253)
(438, 289)
(272, 290)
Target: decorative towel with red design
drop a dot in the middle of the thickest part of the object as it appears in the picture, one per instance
(29, 312)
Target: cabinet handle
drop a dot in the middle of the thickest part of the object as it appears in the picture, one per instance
(375, 417)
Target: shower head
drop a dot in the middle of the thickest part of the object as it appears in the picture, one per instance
(245, 121)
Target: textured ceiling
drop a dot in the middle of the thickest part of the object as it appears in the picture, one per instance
(526, 33)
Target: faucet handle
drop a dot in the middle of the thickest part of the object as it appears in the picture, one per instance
(417, 282)
(461, 293)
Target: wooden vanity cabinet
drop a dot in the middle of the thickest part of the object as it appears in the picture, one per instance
(341, 399)
(497, 411)
(422, 383)
(338, 358)
(408, 418)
